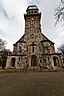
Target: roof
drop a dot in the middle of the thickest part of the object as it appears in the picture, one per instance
(20, 40)
(32, 7)
(47, 39)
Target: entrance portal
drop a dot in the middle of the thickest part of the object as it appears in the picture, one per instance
(33, 60)
(13, 62)
(56, 61)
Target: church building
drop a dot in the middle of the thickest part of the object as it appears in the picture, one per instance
(33, 49)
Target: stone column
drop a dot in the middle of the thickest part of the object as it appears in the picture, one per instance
(16, 62)
(8, 62)
(29, 62)
(52, 63)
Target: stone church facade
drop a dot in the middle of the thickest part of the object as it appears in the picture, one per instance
(33, 49)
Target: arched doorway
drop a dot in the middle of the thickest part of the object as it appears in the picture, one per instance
(33, 60)
(13, 62)
(56, 61)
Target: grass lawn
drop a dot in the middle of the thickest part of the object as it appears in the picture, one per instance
(32, 84)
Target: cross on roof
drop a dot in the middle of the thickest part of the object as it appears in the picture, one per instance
(32, 46)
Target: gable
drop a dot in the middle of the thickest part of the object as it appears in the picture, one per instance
(45, 39)
(20, 40)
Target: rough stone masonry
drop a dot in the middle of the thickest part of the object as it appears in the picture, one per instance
(33, 49)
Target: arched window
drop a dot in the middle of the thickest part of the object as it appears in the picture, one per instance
(31, 11)
(56, 61)
(13, 62)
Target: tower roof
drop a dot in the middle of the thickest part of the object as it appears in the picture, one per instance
(32, 7)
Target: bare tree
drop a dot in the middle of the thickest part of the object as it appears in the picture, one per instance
(3, 53)
(3, 57)
(59, 12)
(2, 44)
(61, 49)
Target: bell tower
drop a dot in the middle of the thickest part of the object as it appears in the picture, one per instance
(32, 20)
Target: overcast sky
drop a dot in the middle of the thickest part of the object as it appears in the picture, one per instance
(12, 20)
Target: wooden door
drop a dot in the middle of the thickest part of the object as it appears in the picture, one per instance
(34, 60)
